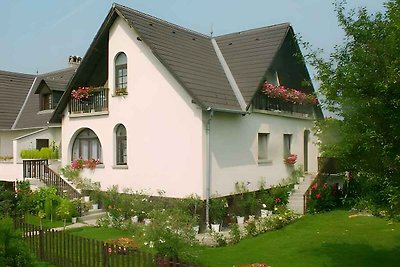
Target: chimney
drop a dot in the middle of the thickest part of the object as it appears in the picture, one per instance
(74, 61)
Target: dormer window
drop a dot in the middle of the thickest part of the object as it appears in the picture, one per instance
(272, 77)
(121, 74)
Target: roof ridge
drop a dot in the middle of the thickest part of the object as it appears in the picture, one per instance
(57, 71)
(116, 5)
(287, 24)
(17, 73)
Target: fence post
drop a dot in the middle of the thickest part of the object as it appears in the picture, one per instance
(105, 254)
(41, 245)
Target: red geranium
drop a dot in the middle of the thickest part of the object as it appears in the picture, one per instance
(318, 195)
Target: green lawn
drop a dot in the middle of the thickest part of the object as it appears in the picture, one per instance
(32, 219)
(98, 233)
(329, 239)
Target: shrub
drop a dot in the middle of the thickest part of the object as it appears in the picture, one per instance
(170, 234)
(14, 251)
(218, 209)
(323, 197)
(234, 234)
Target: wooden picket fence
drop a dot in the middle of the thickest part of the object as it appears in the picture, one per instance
(64, 249)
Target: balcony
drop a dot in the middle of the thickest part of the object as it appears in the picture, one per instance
(96, 104)
(277, 106)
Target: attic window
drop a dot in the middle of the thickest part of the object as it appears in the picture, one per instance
(173, 32)
(194, 39)
(151, 24)
(230, 44)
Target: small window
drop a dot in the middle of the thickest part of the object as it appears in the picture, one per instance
(287, 145)
(45, 103)
(263, 146)
(121, 72)
(42, 143)
(121, 145)
(272, 77)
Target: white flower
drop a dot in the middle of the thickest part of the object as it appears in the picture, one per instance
(264, 206)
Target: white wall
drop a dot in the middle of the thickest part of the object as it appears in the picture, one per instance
(6, 140)
(29, 141)
(14, 141)
(164, 127)
(235, 149)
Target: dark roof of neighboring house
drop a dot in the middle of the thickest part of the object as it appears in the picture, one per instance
(19, 103)
(31, 116)
(14, 88)
(191, 59)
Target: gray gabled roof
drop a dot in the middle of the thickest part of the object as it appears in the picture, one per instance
(250, 54)
(30, 117)
(14, 88)
(190, 57)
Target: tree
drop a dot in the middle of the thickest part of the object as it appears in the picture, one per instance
(361, 84)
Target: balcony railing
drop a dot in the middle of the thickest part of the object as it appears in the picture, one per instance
(263, 102)
(97, 102)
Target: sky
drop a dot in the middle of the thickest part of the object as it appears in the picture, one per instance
(38, 36)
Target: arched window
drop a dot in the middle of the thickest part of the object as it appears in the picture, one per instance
(121, 72)
(87, 146)
(121, 145)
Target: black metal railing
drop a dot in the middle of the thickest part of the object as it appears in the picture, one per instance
(97, 102)
(263, 102)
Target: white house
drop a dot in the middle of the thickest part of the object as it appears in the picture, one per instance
(26, 104)
(182, 112)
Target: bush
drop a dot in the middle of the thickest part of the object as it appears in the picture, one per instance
(323, 197)
(170, 234)
(14, 251)
(44, 153)
(218, 209)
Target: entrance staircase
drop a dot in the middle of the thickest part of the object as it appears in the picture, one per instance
(296, 199)
(39, 174)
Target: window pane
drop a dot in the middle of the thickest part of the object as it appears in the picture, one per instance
(287, 139)
(263, 146)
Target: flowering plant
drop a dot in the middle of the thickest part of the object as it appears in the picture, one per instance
(83, 92)
(291, 159)
(121, 92)
(289, 95)
(78, 164)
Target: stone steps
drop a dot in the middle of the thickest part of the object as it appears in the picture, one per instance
(92, 216)
(296, 201)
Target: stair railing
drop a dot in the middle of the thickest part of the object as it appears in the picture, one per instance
(39, 169)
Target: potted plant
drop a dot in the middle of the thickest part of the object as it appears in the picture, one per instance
(218, 209)
(290, 159)
(192, 204)
(82, 93)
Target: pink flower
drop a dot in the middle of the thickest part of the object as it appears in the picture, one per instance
(318, 195)
(325, 185)
(314, 186)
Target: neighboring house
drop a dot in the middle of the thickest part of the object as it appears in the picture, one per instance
(182, 112)
(26, 105)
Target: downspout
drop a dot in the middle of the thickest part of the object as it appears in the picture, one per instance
(208, 166)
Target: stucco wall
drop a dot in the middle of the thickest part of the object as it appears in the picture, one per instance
(164, 127)
(235, 149)
(12, 142)
(6, 140)
(29, 141)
